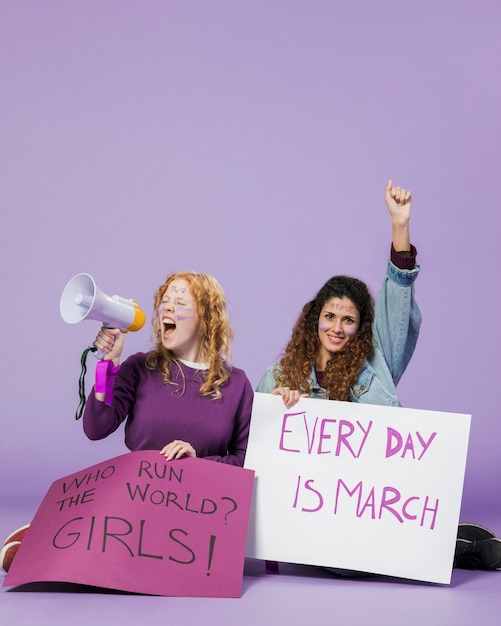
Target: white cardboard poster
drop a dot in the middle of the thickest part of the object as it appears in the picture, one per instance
(356, 486)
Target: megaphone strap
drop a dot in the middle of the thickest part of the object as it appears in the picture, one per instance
(105, 373)
(81, 382)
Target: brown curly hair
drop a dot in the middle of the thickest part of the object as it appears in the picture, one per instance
(216, 333)
(301, 352)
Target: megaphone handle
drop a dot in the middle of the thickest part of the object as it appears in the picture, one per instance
(99, 354)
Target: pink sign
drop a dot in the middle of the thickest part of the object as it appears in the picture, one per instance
(141, 524)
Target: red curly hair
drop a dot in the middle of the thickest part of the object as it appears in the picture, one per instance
(215, 337)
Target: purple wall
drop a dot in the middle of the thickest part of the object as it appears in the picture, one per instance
(251, 140)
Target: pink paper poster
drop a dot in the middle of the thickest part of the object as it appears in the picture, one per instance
(138, 523)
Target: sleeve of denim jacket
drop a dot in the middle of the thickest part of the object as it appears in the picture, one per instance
(268, 382)
(397, 319)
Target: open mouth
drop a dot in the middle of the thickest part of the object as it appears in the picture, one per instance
(168, 328)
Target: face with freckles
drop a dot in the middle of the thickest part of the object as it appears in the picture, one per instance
(338, 322)
(180, 326)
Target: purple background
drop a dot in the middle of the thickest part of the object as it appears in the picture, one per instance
(250, 140)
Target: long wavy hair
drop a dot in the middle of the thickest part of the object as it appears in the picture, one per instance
(215, 336)
(302, 350)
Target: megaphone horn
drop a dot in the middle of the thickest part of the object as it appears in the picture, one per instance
(82, 299)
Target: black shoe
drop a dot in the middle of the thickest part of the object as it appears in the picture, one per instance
(474, 532)
(484, 554)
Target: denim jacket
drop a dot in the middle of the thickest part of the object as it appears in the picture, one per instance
(396, 326)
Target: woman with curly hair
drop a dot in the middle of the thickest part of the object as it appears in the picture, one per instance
(345, 348)
(183, 397)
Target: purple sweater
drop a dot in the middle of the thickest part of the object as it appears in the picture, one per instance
(156, 413)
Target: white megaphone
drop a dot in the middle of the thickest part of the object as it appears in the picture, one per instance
(81, 299)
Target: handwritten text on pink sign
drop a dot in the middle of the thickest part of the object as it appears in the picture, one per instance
(141, 524)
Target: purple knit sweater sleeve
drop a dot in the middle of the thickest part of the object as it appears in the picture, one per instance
(156, 413)
(403, 260)
(100, 419)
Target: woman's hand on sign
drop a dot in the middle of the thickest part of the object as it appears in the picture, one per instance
(177, 449)
(289, 396)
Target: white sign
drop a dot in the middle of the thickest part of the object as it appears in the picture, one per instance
(356, 486)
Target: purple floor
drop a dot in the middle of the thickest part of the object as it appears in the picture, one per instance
(298, 595)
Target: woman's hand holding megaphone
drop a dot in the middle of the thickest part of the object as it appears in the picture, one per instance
(110, 341)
